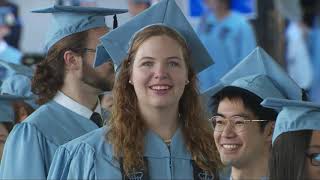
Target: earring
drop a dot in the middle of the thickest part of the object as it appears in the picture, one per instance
(187, 82)
(130, 81)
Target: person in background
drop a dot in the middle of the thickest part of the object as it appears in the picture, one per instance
(157, 129)
(7, 52)
(137, 6)
(20, 85)
(242, 127)
(13, 38)
(296, 140)
(227, 35)
(67, 87)
(6, 118)
(106, 99)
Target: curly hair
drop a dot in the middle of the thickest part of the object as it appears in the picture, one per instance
(49, 74)
(127, 125)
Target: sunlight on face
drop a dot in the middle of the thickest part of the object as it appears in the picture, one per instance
(159, 72)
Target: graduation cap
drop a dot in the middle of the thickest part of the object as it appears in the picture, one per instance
(68, 20)
(294, 115)
(166, 13)
(261, 75)
(19, 86)
(10, 69)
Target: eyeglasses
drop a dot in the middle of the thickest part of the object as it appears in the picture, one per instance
(314, 158)
(238, 123)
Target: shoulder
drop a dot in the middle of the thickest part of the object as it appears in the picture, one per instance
(93, 142)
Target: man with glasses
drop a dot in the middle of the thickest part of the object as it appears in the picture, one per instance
(242, 127)
(67, 86)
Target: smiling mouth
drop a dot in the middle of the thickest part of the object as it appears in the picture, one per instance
(230, 147)
(160, 87)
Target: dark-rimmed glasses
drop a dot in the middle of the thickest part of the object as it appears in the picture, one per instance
(238, 123)
(314, 158)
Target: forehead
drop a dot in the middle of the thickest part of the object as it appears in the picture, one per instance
(162, 45)
(315, 138)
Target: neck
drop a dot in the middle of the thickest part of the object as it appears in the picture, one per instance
(253, 170)
(163, 121)
(221, 13)
(80, 92)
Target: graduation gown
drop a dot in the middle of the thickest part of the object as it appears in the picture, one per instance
(91, 157)
(31, 145)
(228, 41)
(11, 54)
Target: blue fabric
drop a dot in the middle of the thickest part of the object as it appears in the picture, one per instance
(314, 45)
(166, 13)
(294, 115)
(19, 85)
(261, 75)
(30, 147)
(68, 20)
(228, 41)
(91, 157)
(11, 55)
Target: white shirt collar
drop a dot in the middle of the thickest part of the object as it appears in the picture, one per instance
(74, 106)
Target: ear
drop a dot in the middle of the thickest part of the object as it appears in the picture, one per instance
(268, 131)
(72, 60)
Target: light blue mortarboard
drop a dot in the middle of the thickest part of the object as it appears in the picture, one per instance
(8, 69)
(261, 75)
(19, 86)
(68, 20)
(294, 115)
(167, 13)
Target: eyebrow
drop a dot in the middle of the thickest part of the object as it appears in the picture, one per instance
(314, 146)
(240, 114)
(167, 58)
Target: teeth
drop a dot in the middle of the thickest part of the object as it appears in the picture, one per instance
(160, 87)
(230, 146)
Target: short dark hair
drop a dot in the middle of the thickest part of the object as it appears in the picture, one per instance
(250, 101)
(288, 155)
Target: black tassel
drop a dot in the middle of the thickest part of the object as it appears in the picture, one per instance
(115, 21)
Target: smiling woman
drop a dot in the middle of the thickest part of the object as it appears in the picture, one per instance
(157, 129)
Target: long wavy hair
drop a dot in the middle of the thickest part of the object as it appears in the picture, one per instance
(127, 127)
(49, 75)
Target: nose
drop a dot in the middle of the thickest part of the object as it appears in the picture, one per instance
(228, 131)
(161, 71)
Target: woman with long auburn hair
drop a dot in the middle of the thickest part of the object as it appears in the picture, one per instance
(157, 129)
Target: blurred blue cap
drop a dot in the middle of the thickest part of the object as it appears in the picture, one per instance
(261, 75)
(19, 86)
(7, 69)
(68, 20)
(167, 13)
(294, 115)
(7, 17)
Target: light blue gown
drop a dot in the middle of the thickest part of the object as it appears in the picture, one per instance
(11, 54)
(31, 145)
(91, 157)
(228, 41)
